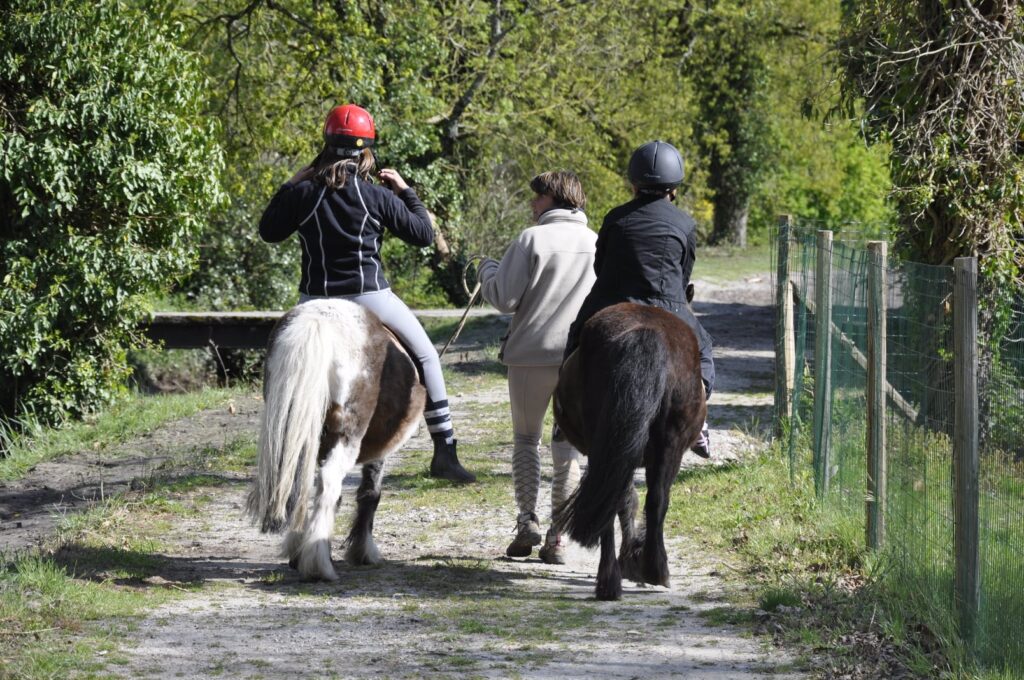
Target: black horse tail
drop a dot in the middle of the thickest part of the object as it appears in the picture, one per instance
(631, 382)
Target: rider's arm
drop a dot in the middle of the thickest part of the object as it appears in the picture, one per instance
(282, 216)
(406, 216)
(602, 240)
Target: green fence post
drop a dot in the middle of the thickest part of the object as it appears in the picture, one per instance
(876, 477)
(967, 585)
(823, 363)
(785, 347)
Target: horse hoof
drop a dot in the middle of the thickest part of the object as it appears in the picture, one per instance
(293, 563)
(630, 571)
(313, 577)
(364, 558)
(609, 587)
(609, 593)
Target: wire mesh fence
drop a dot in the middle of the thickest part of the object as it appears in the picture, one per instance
(830, 359)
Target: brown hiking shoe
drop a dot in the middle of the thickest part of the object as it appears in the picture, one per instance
(527, 536)
(553, 550)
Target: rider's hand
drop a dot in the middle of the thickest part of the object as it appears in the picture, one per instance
(392, 180)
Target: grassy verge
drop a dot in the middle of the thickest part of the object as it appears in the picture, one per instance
(49, 619)
(801, 572)
(124, 420)
(66, 607)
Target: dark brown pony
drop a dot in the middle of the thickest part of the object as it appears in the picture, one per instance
(338, 391)
(630, 395)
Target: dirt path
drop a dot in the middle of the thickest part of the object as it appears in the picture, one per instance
(446, 603)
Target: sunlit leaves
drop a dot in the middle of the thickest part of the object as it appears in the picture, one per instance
(108, 171)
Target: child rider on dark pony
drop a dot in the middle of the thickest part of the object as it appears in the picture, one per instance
(646, 250)
(340, 216)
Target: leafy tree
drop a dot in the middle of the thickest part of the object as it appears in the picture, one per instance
(471, 98)
(107, 172)
(941, 82)
(758, 73)
(821, 168)
(726, 59)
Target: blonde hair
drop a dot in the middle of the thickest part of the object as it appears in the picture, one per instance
(561, 185)
(334, 170)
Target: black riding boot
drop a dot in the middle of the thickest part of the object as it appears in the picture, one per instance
(445, 464)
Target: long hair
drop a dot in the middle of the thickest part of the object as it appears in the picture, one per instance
(334, 166)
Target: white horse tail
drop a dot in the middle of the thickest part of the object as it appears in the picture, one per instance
(296, 393)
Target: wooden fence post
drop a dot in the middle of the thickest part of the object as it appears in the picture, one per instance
(877, 269)
(823, 363)
(785, 341)
(967, 582)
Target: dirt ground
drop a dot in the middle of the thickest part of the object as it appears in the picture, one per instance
(253, 618)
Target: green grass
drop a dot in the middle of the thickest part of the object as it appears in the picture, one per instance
(798, 557)
(917, 566)
(47, 615)
(124, 420)
(727, 264)
(809, 568)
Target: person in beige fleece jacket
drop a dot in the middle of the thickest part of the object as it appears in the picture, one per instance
(542, 281)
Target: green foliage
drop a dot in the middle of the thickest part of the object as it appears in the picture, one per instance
(107, 173)
(941, 83)
(471, 99)
(1004, 428)
(759, 79)
(50, 618)
(825, 175)
(731, 82)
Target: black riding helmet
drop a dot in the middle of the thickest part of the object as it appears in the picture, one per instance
(656, 166)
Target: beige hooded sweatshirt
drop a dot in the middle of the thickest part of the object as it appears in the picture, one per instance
(541, 281)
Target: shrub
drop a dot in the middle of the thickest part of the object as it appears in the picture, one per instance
(107, 173)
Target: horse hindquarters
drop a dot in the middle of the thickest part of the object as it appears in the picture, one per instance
(618, 378)
(315, 365)
(677, 426)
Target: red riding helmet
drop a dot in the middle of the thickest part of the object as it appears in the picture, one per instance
(349, 127)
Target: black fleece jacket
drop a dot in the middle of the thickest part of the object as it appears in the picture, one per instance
(646, 250)
(340, 231)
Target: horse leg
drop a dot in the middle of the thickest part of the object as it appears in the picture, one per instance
(632, 538)
(361, 548)
(609, 578)
(315, 549)
(661, 471)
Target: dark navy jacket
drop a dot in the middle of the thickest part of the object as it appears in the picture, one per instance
(646, 250)
(340, 231)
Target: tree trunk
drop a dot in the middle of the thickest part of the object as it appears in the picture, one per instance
(730, 222)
